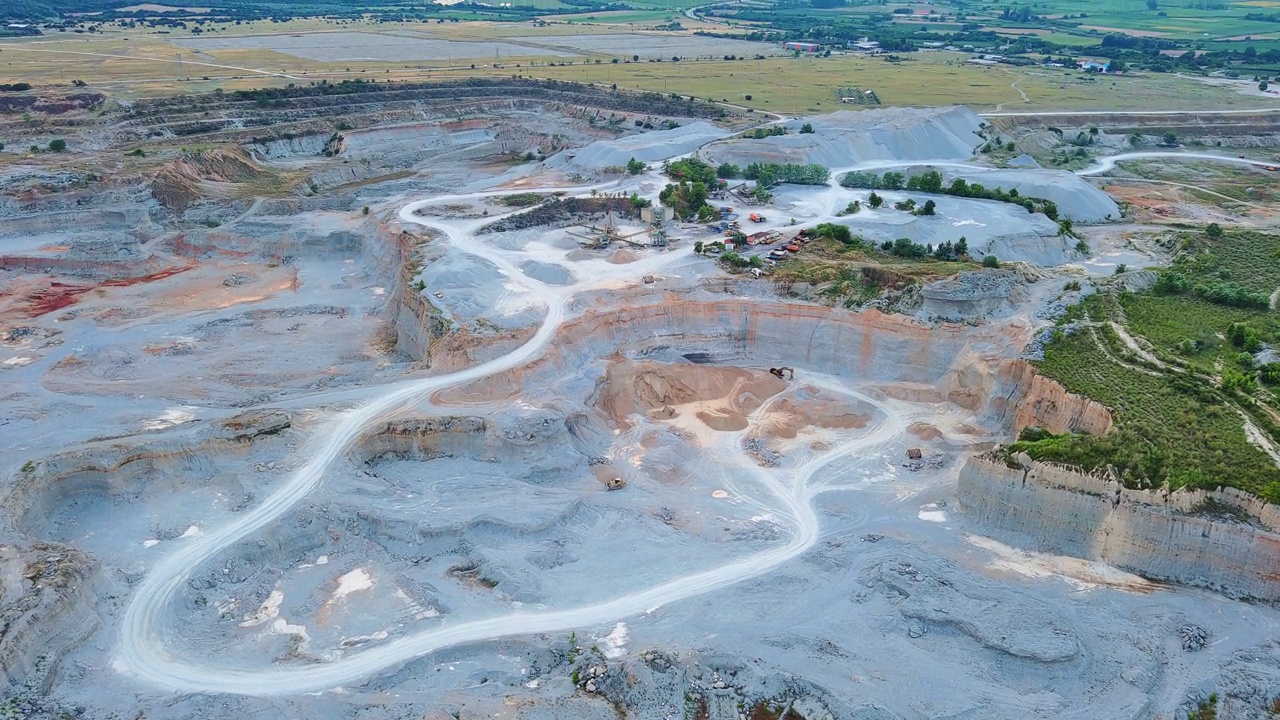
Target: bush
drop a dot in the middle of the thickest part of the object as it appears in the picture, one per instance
(57, 145)
(806, 129)
(635, 167)
(835, 232)
(1270, 373)
(991, 261)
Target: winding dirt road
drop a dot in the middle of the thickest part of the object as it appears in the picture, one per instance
(146, 630)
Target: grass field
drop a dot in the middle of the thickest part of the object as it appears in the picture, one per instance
(141, 63)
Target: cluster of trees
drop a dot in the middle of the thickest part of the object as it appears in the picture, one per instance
(769, 174)
(1220, 292)
(931, 182)
(688, 196)
(635, 167)
(691, 169)
(761, 133)
(903, 247)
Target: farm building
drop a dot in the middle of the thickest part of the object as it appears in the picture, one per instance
(801, 46)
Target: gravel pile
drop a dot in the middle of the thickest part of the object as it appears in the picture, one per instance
(846, 138)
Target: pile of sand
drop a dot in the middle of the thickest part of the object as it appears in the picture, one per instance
(622, 257)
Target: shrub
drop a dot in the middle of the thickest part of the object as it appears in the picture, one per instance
(835, 232)
(1270, 373)
(991, 261)
(57, 145)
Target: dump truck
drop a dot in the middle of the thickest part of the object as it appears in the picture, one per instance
(756, 218)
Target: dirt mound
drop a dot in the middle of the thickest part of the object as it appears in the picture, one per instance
(788, 417)
(622, 257)
(177, 184)
(721, 397)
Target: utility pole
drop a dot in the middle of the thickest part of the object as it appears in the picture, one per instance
(179, 66)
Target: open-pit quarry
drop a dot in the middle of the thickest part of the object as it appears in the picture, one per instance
(368, 424)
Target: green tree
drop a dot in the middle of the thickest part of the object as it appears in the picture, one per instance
(57, 145)
(364, 210)
(931, 182)
(1170, 138)
(635, 167)
(928, 209)
(807, 128)
(1213, 230)
(697, 247)
(991, 261)
(875, 201)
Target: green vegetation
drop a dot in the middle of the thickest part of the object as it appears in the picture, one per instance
(57, 145)
(635, 167)
(770, 174)
(764, 132)
(990, 261)
(1169, 426)
(930, 181)
(521, 200)
(1180, 404)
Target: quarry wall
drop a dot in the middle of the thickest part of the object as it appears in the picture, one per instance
(1225, 540)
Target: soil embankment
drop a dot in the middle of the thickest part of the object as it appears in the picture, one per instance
(1224, 540)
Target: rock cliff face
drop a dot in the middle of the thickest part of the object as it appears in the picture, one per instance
(1225, 540)
(415, 320)
(1042, 402)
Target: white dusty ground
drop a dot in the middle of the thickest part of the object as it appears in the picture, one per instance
(424, 541)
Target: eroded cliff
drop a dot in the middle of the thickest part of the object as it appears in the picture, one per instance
(1224, 540)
